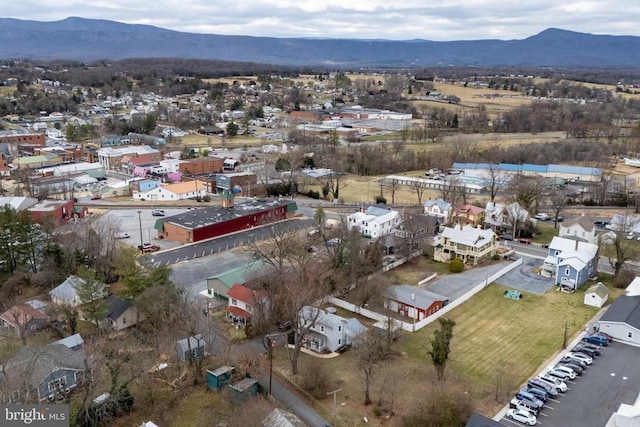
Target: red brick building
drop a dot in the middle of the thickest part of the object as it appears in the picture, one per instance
(56, 210)
(201, 166)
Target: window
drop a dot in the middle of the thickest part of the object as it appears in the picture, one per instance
(58, 383)
(339, 341)
(234, 301)
(15, 395)
(321, 328)
(556, 253)
(567, 271)
(194, 352)
(339, 328)
(248, 307)
(629, 334)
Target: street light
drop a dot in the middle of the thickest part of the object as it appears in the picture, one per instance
(270, 346)
(140, 224)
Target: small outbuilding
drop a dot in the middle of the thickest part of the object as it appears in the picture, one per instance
(191, 348)
(596, 295)
(219, 378)
(243, 390)
(622, 319)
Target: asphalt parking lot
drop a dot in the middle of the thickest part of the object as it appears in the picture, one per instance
(591, 399)
(524, 279)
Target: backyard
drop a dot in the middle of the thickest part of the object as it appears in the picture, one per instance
(498, 343)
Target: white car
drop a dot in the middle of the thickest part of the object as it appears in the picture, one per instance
(581, 356)
(122, 235)
(572, 374)
(524, 417)
(554, 382)
(562, 375)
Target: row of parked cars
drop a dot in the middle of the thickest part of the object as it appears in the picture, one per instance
(530, 399)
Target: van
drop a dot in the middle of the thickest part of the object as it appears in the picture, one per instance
(596, 339)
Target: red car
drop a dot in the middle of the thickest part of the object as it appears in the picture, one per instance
(149, 248)
(525, 241)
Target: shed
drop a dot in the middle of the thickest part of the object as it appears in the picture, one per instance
(596, 295)
(281, 418)
(622, 319)
(243, 390)
(218, 378)
(191, 348)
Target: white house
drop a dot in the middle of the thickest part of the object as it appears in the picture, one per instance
(179, 191)
(438, 208)
(622, 319)
(581, 228)
(242, 303)
(328, 332)
(499, 216)
(570, 261)
(468, 243)
(66, 294)
(374, 222)
(596, 295)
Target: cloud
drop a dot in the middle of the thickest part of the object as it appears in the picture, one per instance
(371, 19)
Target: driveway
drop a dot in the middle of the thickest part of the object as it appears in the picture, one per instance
(612, 379)
(456, 285)
(524, 279)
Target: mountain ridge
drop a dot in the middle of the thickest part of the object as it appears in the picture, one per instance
(81, 39)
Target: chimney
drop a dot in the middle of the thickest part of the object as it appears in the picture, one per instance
(576, 248)
(460, 226)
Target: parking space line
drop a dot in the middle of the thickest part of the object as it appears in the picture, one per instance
(544, 415)
(549, 398)
(547, 406)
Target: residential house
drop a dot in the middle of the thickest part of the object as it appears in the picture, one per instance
(469, 214)
(178, 191)
(121, 314)
(218, 286)
(23, 318)
(413, 301)
(374, 222)
(571, 262)
(42, 374)
(66, 294)
(505, 217)
(626, 415)
(622, 319)
(472, 245)
(438, 208)
(414, 227)
(191, 348)
(73, 342)
(596, 295)
(328, 332)
(243, 302)
(18, 203)
(581, 228)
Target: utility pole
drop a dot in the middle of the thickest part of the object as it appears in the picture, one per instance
(566, 333)
(140, 224)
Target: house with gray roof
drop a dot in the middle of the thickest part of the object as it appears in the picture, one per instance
(572, 262)
(622, 319)
(329, 332)
(439, 209)
(40, 374)
(191, 348)
(121, 314)
(66, 294)
(73, 342)
(581, 228)
(413, 301)
(596, 295)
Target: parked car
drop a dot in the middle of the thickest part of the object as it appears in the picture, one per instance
(524, 241)
(157, 212)
(545, 246)
(603, 334)
(568, 359)
(505, 237)
(574, 366)
(537, 392)
(581, 356)
(596, 339)
(554, 382)
(149, 247)
(122, 235)
(96, 197)
(601, 223)
(561, 374)
(525, 395)
(588, 351)
(542, 217)
(524, 417)
(593, 347)
(535, 382)
(570, 371)
(525, 405)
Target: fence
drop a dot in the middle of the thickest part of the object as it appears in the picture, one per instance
(412, 327)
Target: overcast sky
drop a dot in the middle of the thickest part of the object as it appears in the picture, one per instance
(366, 19)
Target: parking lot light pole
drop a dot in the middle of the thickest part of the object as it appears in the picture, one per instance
(140, 224)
